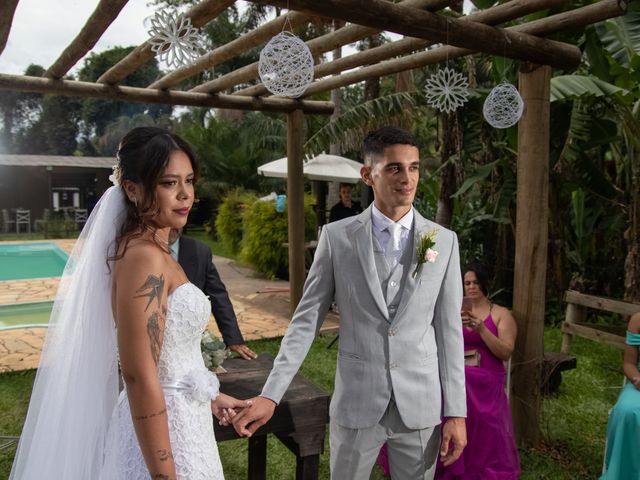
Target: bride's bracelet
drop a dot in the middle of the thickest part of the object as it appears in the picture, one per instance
(635, 380)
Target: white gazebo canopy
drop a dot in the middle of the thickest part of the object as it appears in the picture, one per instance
(329, 168)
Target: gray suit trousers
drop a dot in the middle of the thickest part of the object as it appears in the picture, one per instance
(412, 453)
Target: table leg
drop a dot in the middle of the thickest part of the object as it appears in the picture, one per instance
(258, 457)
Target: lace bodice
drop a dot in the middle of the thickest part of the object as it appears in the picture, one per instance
(188, 311)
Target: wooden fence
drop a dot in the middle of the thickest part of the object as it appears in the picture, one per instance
(574, 324)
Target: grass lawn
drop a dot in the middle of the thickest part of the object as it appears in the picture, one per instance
(573, 420)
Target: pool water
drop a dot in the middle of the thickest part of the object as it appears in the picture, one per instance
(31, 260)
(25, 314)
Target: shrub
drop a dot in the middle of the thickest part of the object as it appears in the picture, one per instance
(228, 222)
(266, 231)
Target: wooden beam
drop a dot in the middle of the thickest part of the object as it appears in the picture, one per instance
(200, 15)
(413, 22)
(601, 303)
(574, 314)
(530, 266)
(167, 97)
(103, 16)
(7, 10)
(295, 205)
(491, 16)
(318, 46)
(594, 334)
(546, 26)
(223, 53)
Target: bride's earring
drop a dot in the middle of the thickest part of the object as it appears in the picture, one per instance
(135, 201)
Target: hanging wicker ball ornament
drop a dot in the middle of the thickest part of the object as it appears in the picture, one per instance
(503, 106)
(286, 65)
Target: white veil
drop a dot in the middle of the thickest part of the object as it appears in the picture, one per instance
(76, 387)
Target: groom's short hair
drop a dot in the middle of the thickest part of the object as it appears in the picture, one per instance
(375, 142)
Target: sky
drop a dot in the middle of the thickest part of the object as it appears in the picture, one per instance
(42, 29)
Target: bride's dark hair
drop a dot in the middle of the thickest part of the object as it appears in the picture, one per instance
(143, 154)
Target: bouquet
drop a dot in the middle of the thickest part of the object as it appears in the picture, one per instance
(213, 351)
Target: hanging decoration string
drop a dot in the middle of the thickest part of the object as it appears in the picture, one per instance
(286, 64)
(446, 90)
(173, 39)
(503, 106)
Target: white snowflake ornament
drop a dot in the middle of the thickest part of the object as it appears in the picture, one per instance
(446, 90)
(173, 39)
(503, 106)
(286, 65)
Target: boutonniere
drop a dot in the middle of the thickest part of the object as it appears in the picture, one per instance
(425, 251)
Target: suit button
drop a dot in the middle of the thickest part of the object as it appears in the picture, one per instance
(393, 283)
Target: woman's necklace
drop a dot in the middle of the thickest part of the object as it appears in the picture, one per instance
(161, 240)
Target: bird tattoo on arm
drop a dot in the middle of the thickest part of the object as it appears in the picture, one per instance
(153, 287)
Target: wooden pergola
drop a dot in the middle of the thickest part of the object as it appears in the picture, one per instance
(423, 28)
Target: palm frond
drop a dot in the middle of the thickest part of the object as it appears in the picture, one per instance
(348, 130)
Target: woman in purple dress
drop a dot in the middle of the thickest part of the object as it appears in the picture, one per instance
(490, 329)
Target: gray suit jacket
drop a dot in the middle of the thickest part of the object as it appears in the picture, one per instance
(418, 355)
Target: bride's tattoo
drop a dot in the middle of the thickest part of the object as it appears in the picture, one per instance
(165, 455)
(155, 335)
(153, 286)
(151, 415)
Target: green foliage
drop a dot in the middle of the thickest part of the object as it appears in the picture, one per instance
(15, 390)
(57, 227)
(96, 113)
(230, 217)
(33, 123)
(230, 151)
(265, 233)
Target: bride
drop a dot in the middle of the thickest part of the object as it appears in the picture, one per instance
(124, 300)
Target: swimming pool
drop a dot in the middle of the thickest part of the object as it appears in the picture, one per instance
(25, 314)
(19, 261)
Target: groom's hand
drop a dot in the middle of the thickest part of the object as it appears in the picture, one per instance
(252, 418)
(454, 430)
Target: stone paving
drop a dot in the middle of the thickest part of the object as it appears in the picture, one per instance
(262, 307)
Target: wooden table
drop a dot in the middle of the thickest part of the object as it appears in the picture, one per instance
(299, 421)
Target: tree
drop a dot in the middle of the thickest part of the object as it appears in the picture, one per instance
(97, 114)
(38, 124)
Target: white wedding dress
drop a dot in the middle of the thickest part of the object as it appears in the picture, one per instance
(188, 387)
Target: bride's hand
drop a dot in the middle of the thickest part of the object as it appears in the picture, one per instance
(225, 407)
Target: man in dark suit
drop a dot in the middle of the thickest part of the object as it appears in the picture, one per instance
(195, 259)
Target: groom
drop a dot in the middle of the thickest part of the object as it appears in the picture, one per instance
(400, 363)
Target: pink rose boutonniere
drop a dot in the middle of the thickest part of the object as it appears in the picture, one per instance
(425, 250)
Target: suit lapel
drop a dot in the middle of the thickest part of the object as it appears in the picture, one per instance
(420, 227)
(362, 239)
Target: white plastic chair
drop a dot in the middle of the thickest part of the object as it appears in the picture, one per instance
(80, 217)
(507, 380)
(23, 217)
(6, 221)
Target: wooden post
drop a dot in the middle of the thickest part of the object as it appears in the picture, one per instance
(531, 251)
(295, 204)
(575, 314)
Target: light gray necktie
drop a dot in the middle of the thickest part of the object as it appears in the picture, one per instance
(394, 246)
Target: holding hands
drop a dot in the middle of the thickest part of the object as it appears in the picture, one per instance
(250, 419)
(225, 408)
